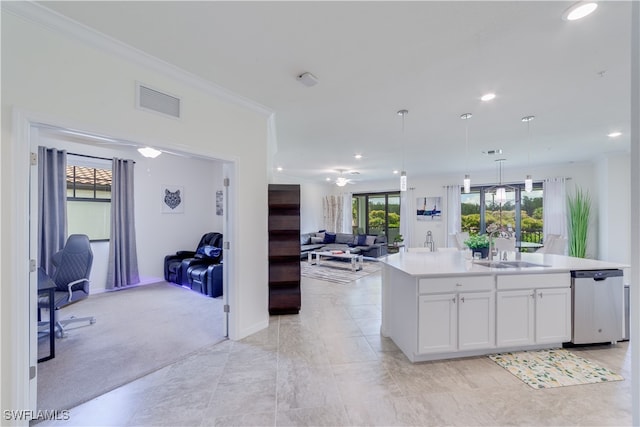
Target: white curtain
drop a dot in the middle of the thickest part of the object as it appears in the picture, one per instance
(332, 210)
(347, 214)
(407, 210)
(123, 257)
(555, 206)
(453, 214)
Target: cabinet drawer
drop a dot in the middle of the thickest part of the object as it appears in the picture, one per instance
(533, 281)
(456, 284)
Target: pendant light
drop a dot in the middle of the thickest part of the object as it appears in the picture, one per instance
(528, 181)
(501, 191)
(466, 183)
(403, 174)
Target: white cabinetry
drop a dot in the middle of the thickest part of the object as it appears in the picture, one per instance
(456, 314)
(533, 309)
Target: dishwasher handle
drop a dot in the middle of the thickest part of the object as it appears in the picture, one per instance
(595, 274)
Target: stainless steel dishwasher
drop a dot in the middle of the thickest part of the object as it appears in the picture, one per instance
(597, 306)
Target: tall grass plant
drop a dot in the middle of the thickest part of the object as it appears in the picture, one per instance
(579, 216)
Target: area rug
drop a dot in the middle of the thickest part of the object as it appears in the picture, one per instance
(553, 368)
(337, 271)
(137, 331)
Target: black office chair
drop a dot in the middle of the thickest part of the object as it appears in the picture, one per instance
(71, 276)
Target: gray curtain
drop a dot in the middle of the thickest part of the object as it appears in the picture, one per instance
(52, 204)
(123, 258)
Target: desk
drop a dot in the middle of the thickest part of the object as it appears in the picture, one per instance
(46, 286)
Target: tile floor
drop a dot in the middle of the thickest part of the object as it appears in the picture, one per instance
(329, 366)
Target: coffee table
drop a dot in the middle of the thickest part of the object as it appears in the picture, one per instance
(356, 259)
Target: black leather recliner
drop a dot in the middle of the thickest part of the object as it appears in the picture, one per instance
(206, 279)
(208, 251)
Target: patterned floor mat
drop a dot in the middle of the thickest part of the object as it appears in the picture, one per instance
(553, 368)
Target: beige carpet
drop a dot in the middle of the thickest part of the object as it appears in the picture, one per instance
(553, 368)
(138, 331)
(337, 271)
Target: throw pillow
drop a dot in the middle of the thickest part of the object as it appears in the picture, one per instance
(329, 237)
(370, 240)
(315, 240)
(361, 239)
(209, 251)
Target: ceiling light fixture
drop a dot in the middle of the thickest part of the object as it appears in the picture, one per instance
(579, 10)
(528, 181)
(149, 152)
(279, 168)
(307, 79)
(358, 156)
(614, 134)
(487, 97)
(466, 183)
(501, 190)
(341, 181)
(403, 174)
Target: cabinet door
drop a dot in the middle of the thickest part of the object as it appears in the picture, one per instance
(437, 323)
(553, 315)
(515, 318)
(476, 320)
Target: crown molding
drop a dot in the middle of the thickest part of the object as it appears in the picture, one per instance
(61, 24)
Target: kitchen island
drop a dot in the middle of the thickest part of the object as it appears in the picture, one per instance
(442, 305)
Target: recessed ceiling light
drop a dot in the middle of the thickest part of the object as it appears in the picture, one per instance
(614, 134)
(396, 172)
(579, 10)
(279, 168)
(487, 96)
(358, 156)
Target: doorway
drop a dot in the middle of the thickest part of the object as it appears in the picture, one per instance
(227, 170)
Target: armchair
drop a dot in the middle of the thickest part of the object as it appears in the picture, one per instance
(71, 277)
(208, 251)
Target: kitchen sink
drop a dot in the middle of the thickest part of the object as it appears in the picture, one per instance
(508, 264)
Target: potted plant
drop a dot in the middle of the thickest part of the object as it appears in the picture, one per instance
(479, 243)
(579, 215)
(398, 240)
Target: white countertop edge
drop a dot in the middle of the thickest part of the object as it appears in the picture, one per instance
(447, 264)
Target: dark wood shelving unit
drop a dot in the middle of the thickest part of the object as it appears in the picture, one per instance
(284, 249)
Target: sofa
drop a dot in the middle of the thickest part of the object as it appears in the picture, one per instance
(322, 241)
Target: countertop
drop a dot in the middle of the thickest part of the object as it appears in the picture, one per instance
(455, 263)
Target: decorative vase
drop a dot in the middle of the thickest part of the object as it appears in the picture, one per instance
(484, 252)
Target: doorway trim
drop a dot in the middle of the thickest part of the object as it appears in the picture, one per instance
(23, 380)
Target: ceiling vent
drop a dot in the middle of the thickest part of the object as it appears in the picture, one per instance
(149, 99)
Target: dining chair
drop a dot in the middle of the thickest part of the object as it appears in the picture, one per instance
(503, 245)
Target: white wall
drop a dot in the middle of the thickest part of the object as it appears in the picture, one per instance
(613, 172)
(73, 83)
(157, 234)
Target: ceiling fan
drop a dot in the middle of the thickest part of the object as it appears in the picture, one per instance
(341, 180)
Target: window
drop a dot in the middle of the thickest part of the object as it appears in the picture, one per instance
(89, 197)
(521, 212)
(377, 214)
